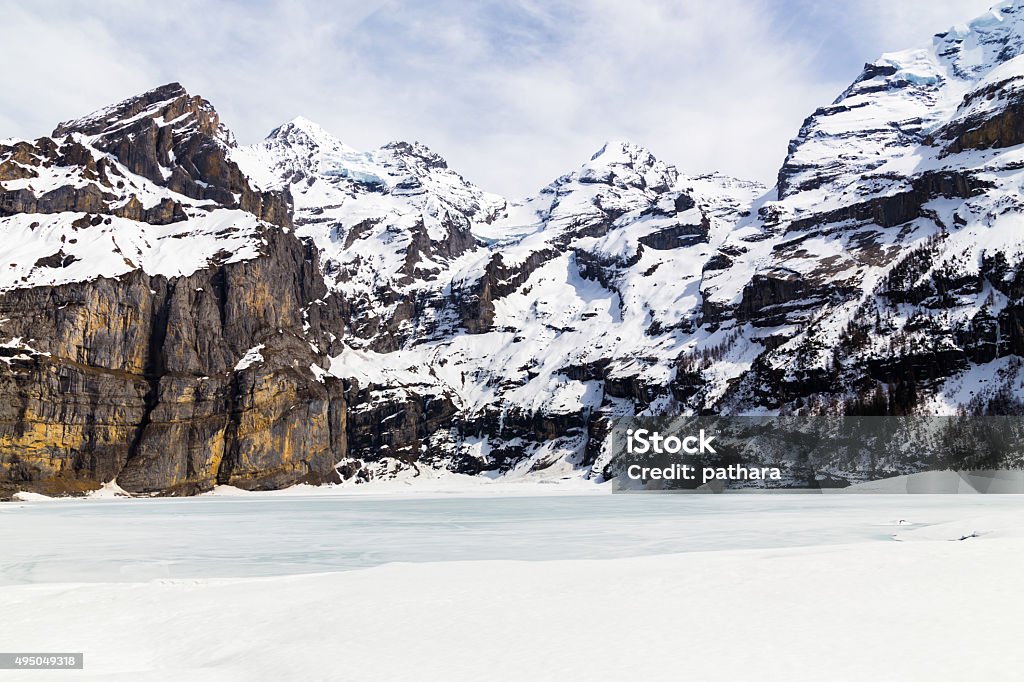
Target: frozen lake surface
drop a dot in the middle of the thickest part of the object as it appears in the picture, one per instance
(596, 587)
(252, 536)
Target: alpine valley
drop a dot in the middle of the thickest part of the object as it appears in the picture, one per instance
(178, 311)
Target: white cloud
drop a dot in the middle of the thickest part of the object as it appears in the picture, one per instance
(512, 93)
(57, 70)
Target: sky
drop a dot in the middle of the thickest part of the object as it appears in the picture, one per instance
(512, 93)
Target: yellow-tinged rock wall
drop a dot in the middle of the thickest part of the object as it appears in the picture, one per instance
(135, 379)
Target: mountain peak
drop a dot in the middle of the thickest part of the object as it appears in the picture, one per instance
(995, 37)
(302, 133)
(629, 164)
(302, 127)
(418, 152)
(168, 104)
(304, 123)
(102, 119)
(626, 154)
(622, 152)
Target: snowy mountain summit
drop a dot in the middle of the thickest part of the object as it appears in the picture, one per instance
(178, 311)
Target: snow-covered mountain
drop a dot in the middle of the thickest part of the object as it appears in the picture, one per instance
(177, 311)
(513, 316)
(891, 257)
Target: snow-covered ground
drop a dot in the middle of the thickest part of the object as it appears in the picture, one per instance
(792, 587)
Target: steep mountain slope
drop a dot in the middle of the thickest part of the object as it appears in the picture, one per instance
(177, 311)
(890, 260)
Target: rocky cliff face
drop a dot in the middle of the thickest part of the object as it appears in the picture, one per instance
(178, 312)
(172, 354)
